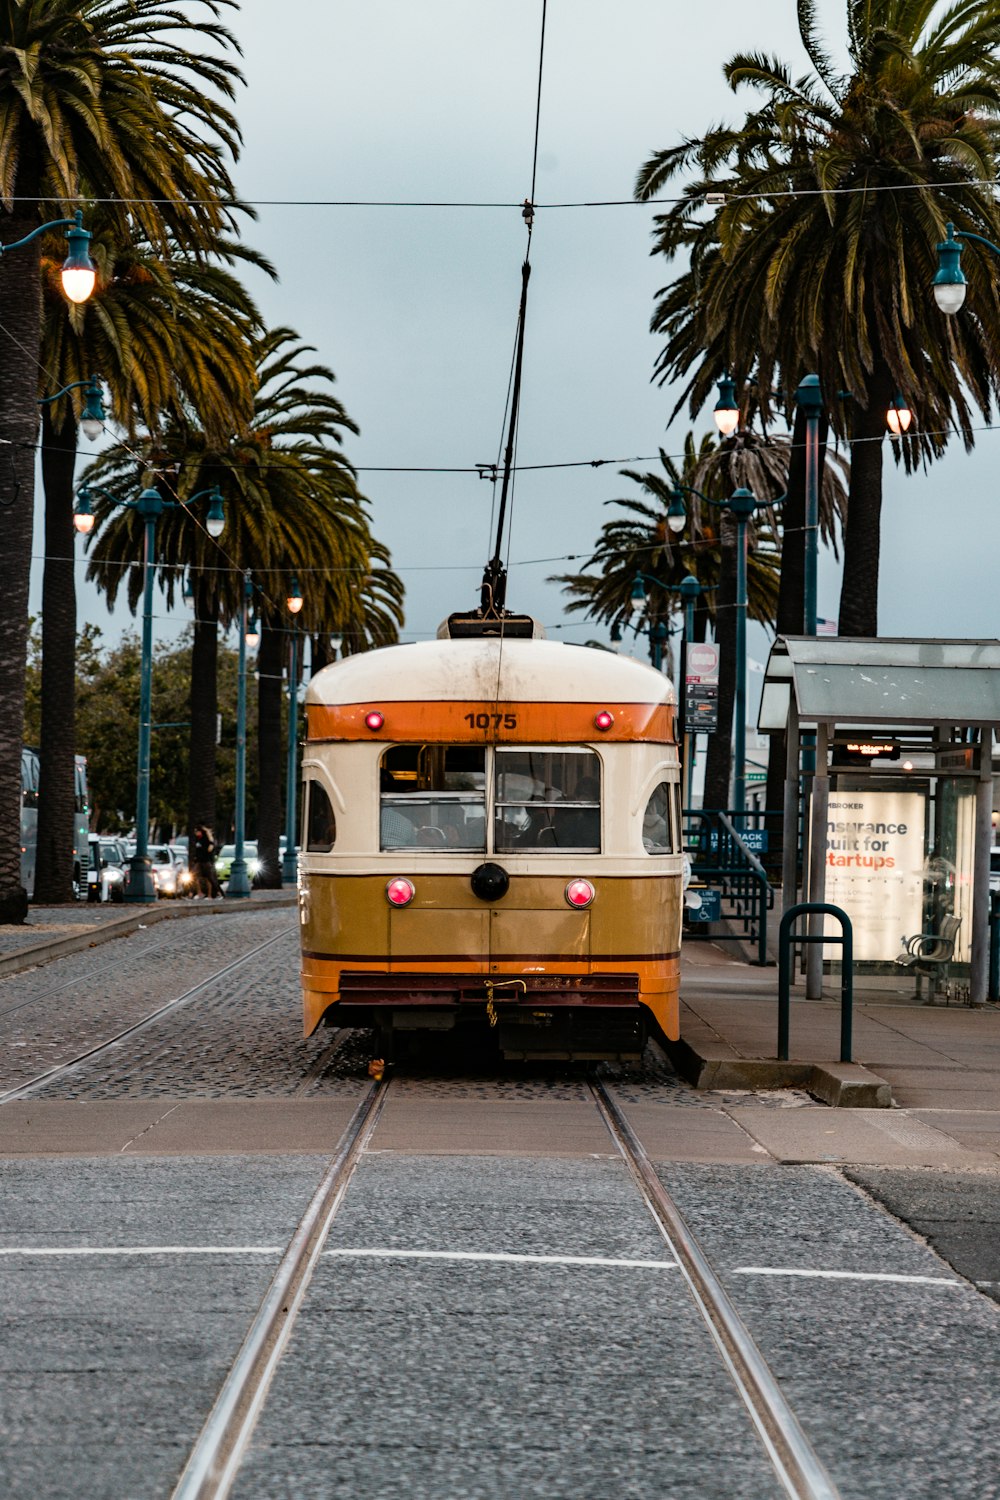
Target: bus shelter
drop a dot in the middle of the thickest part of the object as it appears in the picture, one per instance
(889, 762)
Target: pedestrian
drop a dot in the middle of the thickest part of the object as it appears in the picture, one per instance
(203, 862)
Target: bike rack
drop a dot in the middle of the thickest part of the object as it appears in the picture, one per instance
(846, 940)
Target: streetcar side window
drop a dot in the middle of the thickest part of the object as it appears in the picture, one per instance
(547, 799)
(658, 822)
(321, 826)
(433, 797)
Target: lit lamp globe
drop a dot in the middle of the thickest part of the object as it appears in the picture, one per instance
(899, 416)
(83, 516)
(252, 636)
(294, 600)
(79, 273)
(726, 411)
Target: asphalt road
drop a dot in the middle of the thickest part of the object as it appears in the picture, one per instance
(496, 1313)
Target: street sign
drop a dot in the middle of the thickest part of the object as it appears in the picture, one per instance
(701, 687)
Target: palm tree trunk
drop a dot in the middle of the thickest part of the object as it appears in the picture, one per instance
(20, 332)
(269, 756)
(719, 759)
(204, 708)
(859, 590)
(57, 743)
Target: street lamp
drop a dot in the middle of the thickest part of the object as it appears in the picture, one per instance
(238, 884)
(289, 863)
(726, 411)
(78, 273)
(742, 506)
(149, 506)
(949, 280)
(93, 416)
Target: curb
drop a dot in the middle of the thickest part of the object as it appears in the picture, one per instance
(842, 1085)
(116, 927)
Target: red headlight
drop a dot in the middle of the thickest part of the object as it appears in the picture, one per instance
(604, 720)
(399, 892)
(374, 720)
(580, 893)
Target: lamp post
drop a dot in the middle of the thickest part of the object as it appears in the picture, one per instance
(289, 864)
(690, 590)
(742, 506)
(150, 505)
(809, 400)
(238, 884)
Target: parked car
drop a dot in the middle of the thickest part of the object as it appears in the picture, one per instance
(226, 855)
(106, 873)
(171, 876)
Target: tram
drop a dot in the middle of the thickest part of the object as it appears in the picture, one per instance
(492, 836)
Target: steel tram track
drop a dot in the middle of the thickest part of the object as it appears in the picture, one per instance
(214, 1462)
(799, 1470)
(116, 963)
(59, 1070)
(215, 1459)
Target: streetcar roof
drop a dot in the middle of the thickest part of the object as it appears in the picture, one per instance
(489, 670)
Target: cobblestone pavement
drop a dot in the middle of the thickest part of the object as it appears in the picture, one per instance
(238, 1025)
(241, 1037)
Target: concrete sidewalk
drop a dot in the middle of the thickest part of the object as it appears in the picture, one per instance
(906, 1053)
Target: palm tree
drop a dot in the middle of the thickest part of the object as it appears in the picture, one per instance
(821, 256)
(169, 332)
(706, 549)
(114, 96)
(292, 507)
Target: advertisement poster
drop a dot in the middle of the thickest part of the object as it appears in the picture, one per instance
(875, 868)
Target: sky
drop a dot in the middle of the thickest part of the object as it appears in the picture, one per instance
(415, 308)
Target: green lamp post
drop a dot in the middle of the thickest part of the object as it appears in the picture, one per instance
(149, 505)
(238, 884)
(289, 863)
(742, 506)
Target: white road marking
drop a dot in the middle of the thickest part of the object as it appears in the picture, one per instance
(845, 1275)
(502, 1257)
(54, 1250)
(495, 1257)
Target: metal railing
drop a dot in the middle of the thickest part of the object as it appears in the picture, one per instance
(723, 859)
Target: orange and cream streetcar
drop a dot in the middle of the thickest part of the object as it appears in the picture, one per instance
(492, 836)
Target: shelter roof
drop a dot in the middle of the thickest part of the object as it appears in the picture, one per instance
(883, 682)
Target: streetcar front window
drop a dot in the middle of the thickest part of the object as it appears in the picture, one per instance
(433, 797)
(547, 799)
